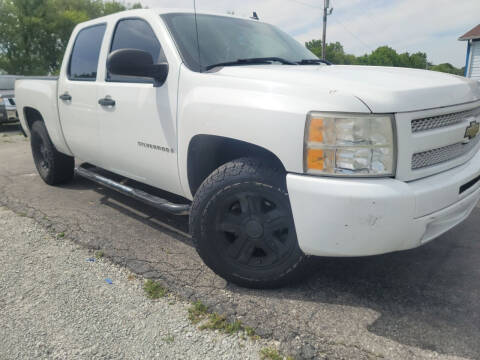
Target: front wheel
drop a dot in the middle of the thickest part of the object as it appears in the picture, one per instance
(242, 225)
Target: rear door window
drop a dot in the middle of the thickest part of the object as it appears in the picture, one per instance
(136, 34)
(85, 53)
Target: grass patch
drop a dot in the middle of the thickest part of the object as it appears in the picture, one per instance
(99, 254)
(154, 290)
(169, 339)
(251, 333)
(197, 312)
(219, 322)
(272, 354)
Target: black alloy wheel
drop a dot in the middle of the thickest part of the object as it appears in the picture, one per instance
(254, 229)
(242, 225)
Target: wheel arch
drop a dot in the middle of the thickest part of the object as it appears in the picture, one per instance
(31, 115)
(208, 152)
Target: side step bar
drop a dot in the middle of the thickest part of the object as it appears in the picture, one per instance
(152, 200)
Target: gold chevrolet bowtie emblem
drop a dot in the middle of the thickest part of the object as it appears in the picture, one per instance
(472, 130)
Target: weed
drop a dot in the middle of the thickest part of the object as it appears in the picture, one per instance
(197, 312)
(61, 235)
(251, 333)
(154, 290)
(272, 354)
(131, 277)
(22, 214)
(169, 339)
(219, 322)
(99, 254)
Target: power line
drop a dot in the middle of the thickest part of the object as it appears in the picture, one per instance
(337, 21)
(352, 34)
(305, 4)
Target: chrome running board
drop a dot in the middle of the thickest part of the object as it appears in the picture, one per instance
(152, 200)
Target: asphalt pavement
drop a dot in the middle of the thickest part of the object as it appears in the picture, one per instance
(417, 304)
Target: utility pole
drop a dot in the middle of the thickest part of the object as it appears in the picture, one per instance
(326, 11)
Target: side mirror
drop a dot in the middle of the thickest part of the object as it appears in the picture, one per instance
(132, 62)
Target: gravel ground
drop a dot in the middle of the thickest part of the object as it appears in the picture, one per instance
(56, 304)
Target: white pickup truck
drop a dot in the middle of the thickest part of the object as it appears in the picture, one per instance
(274, 154)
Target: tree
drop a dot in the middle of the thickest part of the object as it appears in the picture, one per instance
(382, 56)
(447, 68)
(334, 52)
(34, 33)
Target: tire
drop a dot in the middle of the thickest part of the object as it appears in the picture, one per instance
(53, 167)
(242, 225)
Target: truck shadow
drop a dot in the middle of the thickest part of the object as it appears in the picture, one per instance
(426, 297)
(175, 226)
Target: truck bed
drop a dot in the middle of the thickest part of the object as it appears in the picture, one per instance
(40, 93)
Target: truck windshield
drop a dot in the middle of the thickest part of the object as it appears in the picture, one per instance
(223, 39)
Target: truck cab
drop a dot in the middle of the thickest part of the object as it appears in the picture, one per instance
(275, 155)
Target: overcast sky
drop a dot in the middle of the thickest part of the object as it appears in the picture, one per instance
(432, 26)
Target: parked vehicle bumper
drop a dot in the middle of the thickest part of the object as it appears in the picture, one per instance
(8, 115)
(12, 115)
(360, 217)
(3, 114)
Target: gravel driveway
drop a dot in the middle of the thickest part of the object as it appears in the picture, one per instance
(56, 304)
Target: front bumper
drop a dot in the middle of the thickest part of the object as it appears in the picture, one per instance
(360, 217)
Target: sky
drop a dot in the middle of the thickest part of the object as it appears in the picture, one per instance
(431, 26)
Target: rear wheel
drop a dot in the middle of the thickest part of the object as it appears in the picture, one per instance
(243, 228)
(53, 167)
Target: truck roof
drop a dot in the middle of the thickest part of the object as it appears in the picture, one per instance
(156, 11)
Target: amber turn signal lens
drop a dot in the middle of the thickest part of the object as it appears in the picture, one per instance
(315, 159)
(316, 130)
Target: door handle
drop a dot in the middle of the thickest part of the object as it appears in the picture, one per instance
(65, 97)
(106, 102)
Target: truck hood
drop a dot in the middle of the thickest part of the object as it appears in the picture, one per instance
(382, 89)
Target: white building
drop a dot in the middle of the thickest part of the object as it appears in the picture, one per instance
(472, 66)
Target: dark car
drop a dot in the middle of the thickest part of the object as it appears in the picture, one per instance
(8, 108)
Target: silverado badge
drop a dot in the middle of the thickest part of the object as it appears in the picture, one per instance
(472, 130)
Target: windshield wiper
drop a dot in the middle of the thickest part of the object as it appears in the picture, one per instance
(263, 60)
(313, 62)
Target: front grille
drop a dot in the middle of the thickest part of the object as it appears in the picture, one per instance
(435, 122)
(440, 155)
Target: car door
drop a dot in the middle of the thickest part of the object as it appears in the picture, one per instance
(77, 90)
(139, 131)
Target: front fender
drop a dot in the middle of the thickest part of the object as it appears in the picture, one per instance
(268, 114)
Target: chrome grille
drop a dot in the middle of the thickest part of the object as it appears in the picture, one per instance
(435, 122)
(443, 154)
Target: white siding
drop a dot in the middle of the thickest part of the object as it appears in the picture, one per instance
(474, 72)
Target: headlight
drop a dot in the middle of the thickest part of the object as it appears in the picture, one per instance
(349, 145)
